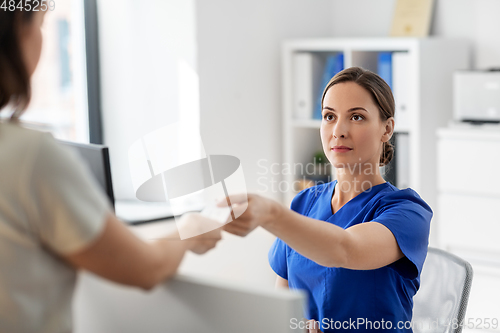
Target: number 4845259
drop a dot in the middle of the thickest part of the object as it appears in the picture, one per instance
(475, 323)
(28, 5)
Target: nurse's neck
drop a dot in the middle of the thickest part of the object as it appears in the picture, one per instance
(350, 184)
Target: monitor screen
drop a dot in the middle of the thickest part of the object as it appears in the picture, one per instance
(128, 211)
(97, 159)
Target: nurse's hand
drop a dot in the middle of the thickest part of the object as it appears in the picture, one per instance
(254, 212)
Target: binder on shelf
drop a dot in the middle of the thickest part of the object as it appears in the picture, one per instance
(334, 64)
(307, 70)
(390, 171)
(402, 159)
(400, 89)
(397, 172)
(384, 67)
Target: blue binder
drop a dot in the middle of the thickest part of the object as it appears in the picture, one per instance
(385, 67)
(334, 64)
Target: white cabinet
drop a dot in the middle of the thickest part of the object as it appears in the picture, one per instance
(483, 310)
(468, 216)
(427, 81)
(469, 189)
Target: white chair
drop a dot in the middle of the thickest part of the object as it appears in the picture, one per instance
(441, 302)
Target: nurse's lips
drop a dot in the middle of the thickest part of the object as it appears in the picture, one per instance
(341, 149)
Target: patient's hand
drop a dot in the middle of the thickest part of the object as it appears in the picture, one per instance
(200, 232)
(205, 242)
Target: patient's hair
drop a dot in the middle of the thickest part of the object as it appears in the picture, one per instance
(381, 94)
(15, 85)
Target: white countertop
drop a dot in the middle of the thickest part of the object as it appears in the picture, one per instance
(154, 230)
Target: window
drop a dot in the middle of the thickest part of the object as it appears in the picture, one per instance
(65, 83)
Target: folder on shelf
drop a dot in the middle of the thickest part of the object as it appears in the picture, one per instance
(334, 64)
(402, 159)
(398, 171)
(384, 67)
(400, 89)
(390, 171)
(306, 71)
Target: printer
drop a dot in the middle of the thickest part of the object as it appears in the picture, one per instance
(476, 96)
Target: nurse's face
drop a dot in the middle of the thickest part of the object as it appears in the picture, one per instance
(352, 119)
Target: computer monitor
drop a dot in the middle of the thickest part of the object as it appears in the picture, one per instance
(97, 159)
(129, 211)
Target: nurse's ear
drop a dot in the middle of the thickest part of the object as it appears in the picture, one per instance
(388, 129)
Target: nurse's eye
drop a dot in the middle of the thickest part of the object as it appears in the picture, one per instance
(328, 117)
(358, 116)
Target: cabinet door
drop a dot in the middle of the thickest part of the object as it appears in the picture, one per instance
(469, 222)
(483, 310)
(469, 166)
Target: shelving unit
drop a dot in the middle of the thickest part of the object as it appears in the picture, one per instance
(432, 62)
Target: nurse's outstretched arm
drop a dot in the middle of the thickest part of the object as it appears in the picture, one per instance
(369, 245)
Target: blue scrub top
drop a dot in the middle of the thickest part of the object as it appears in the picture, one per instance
(340, 298)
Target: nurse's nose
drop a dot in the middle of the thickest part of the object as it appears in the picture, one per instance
(340, 130)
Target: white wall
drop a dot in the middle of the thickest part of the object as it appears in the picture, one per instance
(475, 20)
(141, 44)
(361, 18)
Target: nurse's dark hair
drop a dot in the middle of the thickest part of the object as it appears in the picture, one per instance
(381, 94)
(15, 85)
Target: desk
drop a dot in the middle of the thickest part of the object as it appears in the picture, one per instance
(187, 303)
(183, 304)
(153, 230)
(234, 259)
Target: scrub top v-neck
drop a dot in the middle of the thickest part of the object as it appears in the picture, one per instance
(331, 190)
(337, 296)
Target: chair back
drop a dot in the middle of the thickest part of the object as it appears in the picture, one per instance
(440, 304)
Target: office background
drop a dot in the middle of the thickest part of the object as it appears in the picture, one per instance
(150, 49)
(235, 49)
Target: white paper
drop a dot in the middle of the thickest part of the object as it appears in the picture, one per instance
(219, 214)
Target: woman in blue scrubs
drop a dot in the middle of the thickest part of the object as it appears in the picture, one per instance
(356, 245)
